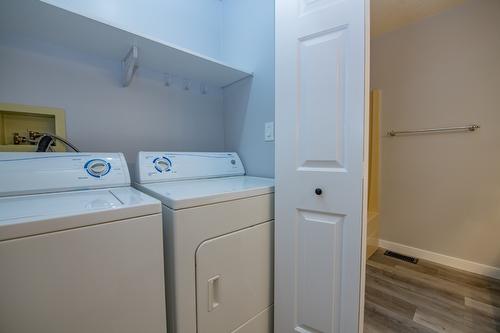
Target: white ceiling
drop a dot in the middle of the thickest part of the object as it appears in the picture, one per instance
(390, 15)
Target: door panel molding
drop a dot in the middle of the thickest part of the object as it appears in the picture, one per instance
(321, 110)
(319, 281)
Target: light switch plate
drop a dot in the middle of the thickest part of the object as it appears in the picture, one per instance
(269, 131)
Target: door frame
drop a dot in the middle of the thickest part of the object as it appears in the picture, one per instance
(366, 165)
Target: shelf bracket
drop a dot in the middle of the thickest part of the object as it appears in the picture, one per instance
(129, 66)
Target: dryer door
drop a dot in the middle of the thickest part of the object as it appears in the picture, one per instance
(234, 277)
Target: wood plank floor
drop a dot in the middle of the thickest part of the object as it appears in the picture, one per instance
(428, 298)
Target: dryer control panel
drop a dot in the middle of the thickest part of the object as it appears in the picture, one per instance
(165, 166)
(30, 173)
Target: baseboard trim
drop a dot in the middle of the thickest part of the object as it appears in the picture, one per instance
(442, 259)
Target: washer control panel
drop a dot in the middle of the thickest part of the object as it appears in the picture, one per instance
(165, 166)
(27, 173)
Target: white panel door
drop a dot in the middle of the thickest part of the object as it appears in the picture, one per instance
(320, 164)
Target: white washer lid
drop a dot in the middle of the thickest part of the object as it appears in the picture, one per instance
(26, 215)
(192, 193)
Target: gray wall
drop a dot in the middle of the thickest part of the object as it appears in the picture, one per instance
(100, 114)
(248, 40)
(441, 192)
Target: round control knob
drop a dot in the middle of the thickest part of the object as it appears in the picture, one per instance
(318, 191)
(162, 164)
(97, 168)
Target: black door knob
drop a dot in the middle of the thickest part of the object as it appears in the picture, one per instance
(318, 191)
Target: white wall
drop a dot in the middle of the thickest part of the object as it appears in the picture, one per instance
(442, 192)
(248, 41)
(100, 114)
(193, 24)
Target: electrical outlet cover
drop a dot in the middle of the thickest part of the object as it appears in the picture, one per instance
(269, 131)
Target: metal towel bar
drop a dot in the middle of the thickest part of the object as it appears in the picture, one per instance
(469, 128)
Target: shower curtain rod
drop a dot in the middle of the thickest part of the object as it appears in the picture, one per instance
(468, 128)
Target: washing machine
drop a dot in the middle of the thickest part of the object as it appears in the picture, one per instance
(218, 233)
(80, 249)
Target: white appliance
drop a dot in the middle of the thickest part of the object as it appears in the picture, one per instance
(80, 250)
(218, 231)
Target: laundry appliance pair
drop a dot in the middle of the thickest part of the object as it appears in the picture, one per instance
(83, 251)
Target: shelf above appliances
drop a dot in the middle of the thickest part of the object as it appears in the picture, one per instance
(40, 21)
